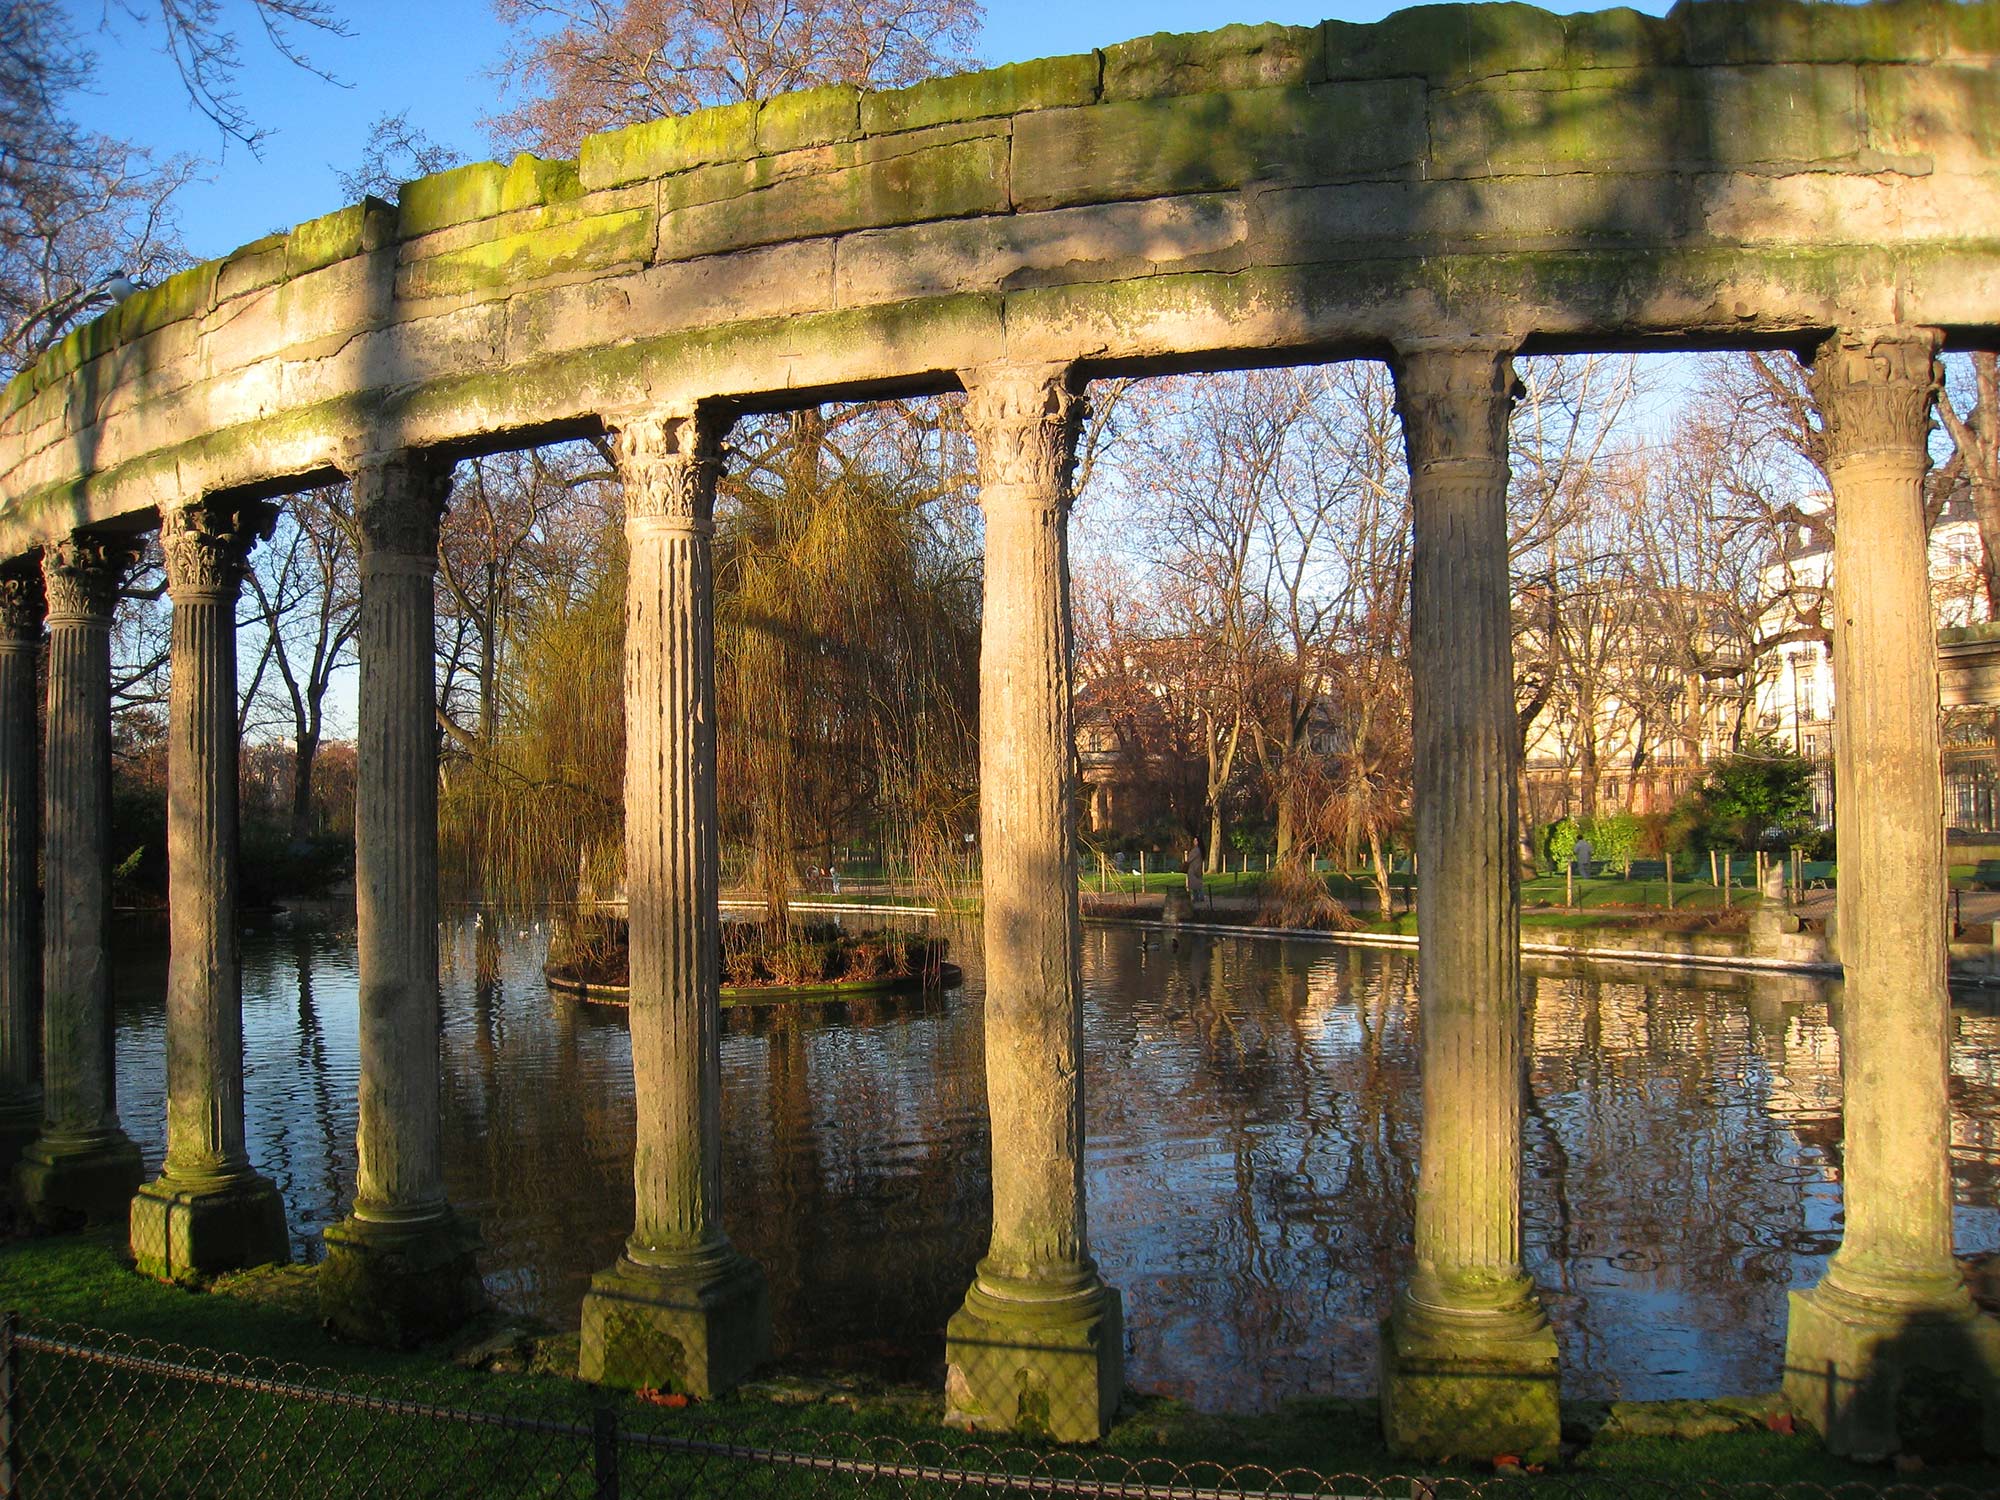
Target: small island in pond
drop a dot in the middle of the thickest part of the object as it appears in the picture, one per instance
(589, 959)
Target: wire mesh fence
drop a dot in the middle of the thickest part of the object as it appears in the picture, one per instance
(88, 1413)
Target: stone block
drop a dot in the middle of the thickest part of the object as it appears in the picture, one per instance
(399, 1285)
(1465, 1396)
(1051, 83)
(1053, 1369)
(659, 147)
(182, 1232)
(1620, 39)
(1874, 1379)
(1944, 113)
(1146, 148)
(809, 117)
(65, 1182)
(1236, 57)
(451, 197)
(335, 237)
(699, 1333)
(257, 264)
(496, 268)
(1445, 42)
(950, 181)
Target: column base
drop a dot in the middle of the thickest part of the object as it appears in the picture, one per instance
(1876, 1378)
(400, 1284)
(183, 1231)
(1050, 1365)
(698, 1329)
(20, 1123)
(68, 1181)
(1470, 1385)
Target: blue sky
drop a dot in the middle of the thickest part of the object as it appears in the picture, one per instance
(432, 57)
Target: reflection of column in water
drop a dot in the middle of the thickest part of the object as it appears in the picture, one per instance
(313, 1065)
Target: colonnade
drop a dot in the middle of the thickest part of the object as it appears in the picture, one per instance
(1469, 1358)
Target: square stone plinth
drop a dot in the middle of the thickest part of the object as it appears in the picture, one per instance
(398, 1285)
(182, 1232)
(1446, 1397)
(1030, 1367)
(697, 1332)
(68, 1182)
(1874, 1380)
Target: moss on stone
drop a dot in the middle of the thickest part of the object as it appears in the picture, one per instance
(329, 239)
(452, 197)
(1445, 42)
(1236, 57)
(249, 267)
(1051, 83)
(1620, 39)
(810, 117)
(534, 183)
(495, 268)
(660, 147)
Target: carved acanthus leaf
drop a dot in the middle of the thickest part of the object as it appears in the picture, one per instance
(1025, 423)
(1454, 404)
(670, 462)
(207, 547)
(82, 575)
(399, 500)
(1875, 389)
(23, 601)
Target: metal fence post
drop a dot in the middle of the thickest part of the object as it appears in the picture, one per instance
(10, 1396)
(604, 1452)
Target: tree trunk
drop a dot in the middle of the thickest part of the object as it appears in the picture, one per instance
(305, 753)
(1384, 900)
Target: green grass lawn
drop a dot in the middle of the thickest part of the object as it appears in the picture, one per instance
(144, 1433)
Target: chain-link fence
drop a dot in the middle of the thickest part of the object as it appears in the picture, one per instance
(88, 1413)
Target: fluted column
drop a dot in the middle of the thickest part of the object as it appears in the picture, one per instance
(1892, 1310)
(1469, 1361)
(401, 1267)
(682, 1309)
(1038, 1344)
(208, 1210)
(21, 608)
(82, 1168)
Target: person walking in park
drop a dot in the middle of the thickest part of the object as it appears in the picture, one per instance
(1193, 868)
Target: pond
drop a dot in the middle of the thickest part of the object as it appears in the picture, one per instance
(1253, 1133)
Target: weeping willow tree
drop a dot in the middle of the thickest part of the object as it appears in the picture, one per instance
(847, 611)
(847, 584)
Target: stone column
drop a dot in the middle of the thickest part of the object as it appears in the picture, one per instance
(1889, 1336)
(82, 1168)
(20, 863)
(682, 1309)
(208, 1210)
(1039, 1344)
(1468, 1358)
(401, 1268)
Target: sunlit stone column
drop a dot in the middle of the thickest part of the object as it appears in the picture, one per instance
(82, 1168)
(1039, 1343)
(208, 1210)
(1468, 1358)
(1890, 1327)
(682, 1309)
(21, 611)
(402, 1266)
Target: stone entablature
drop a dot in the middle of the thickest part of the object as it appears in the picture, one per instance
(1736, 172)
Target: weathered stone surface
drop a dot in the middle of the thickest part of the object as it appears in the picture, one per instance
(1236, 57)
(187, 1233)
(1750, 170)
(398, 1285)
(21, 608)
(1146, 148)
(1447, 1396)
(1051, 83)
(1049, 1369)
(699, 1335)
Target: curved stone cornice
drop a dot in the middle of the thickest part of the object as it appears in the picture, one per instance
(1256, 195)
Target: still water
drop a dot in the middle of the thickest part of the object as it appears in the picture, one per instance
(1253, 1131)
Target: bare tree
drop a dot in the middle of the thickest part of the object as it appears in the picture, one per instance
(1976, 443)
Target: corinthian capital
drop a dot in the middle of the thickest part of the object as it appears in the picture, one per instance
(1025, 421)
(207, 546)
(1874, 390)
(399, 499)
(22, 601)
(82, 574)
(1454, 404)
(670, 461)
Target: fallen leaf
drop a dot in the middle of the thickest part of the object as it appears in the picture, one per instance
(1781, 1422)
